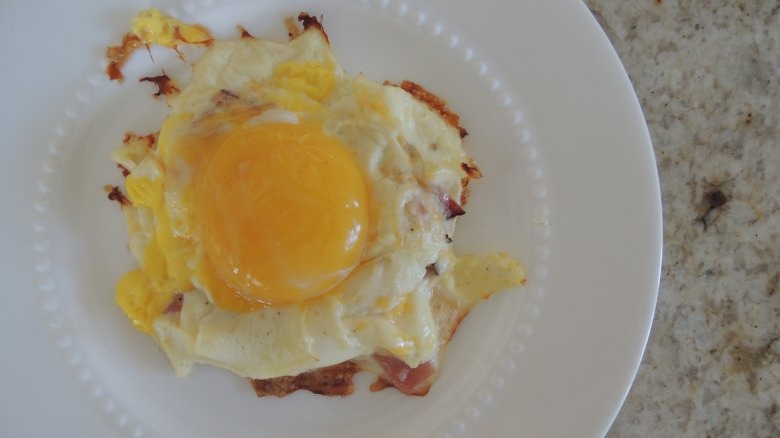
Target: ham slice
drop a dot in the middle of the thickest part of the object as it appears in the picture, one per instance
(408, 380)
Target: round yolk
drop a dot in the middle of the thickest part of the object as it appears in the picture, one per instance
(282, 211)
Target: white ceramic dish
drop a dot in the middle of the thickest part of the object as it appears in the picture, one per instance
(570, 188)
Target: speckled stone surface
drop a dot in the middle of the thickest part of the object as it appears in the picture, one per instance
(708, 77)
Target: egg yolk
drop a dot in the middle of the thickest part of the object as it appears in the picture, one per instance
(282, 211)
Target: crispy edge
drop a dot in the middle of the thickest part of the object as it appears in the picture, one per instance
(165, 85)
(118, 56)
(472, 172)
(309, 22)
(434, 102)
(149, 139)
(335, 380)
(114, 193)
(439, 105)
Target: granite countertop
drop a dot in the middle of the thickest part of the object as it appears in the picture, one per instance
(708, 77)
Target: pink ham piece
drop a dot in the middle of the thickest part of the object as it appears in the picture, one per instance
(408, 380)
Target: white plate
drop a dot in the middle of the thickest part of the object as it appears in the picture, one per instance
(570, 188)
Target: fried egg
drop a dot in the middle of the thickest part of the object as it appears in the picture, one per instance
(289, 216)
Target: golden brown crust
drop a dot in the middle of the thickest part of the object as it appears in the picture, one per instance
(115, 194)
(165, 85)
(125, 171)
(311, 22)
(471, 169)
(330, 381)
(434, 102)
(118, 55)
(465, 192)
(336, 380)
(149, 139)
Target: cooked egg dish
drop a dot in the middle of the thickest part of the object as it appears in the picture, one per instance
(289, 217)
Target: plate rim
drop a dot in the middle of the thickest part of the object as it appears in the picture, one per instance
(37, 225)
